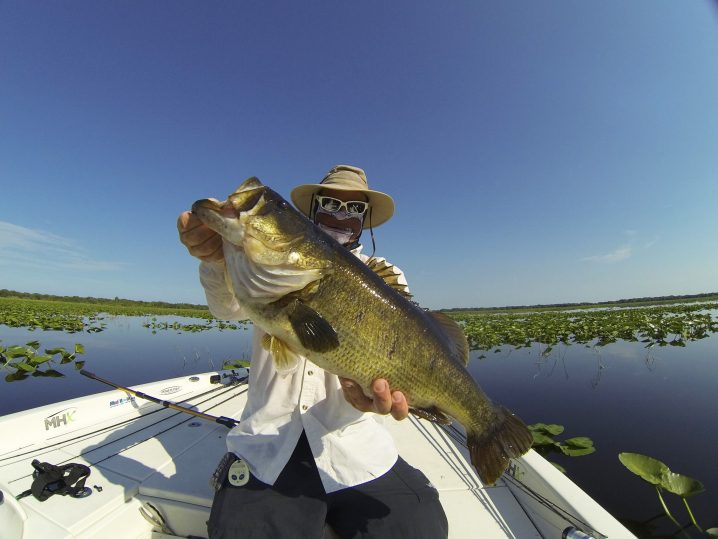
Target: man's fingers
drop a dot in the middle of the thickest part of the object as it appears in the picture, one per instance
(187, 221)
(355, 396)
(399, 406)
(382, 396)
(210, 249)
(196, 234)
(200, 240)
(384, 402)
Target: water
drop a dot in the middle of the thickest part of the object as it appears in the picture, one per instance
(126, 353)
(660, 402)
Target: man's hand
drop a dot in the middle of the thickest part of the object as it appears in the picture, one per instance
(384, 402)
(200, 240)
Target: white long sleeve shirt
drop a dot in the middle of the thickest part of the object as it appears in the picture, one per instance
(350, 447)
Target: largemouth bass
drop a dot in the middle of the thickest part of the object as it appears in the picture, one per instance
(314, 298)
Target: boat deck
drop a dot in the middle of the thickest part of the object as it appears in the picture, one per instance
(146, 458)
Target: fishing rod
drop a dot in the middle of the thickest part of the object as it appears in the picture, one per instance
(222, 420)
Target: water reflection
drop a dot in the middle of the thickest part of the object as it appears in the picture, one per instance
(126, 353)
(660, 402)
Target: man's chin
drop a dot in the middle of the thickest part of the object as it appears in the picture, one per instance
(342, 235)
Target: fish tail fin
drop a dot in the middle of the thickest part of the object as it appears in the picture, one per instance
(491, 449)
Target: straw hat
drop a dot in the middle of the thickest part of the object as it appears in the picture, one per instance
(346, 178)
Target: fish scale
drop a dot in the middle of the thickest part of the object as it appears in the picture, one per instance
(319, 301)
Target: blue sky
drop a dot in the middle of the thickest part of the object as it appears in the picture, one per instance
(538, 152)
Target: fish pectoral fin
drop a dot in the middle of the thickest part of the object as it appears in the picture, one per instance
(285, 360)
(455, 333)
(315, 333)
(432, 414)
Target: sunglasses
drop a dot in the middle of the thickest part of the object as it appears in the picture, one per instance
(333, 205)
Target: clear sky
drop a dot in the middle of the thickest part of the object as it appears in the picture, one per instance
(538, 152)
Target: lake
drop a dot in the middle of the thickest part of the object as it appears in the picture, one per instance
(660, 402)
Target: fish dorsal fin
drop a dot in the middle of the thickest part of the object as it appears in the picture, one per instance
(455, 333)
(390, 274)
(432, 414)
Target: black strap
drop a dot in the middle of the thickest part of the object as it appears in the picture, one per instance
(66, 480)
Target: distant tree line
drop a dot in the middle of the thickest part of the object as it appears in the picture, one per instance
(4, 293)
(653, 299)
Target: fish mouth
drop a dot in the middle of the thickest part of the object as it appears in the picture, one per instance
(206, 204)
(221, 217)
(201, 207)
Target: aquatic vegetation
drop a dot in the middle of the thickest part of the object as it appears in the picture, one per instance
(221, 325)
(660, 475)
(25, 361)
(74, 317)
(47, 315)
(666, 325)
(545, 442)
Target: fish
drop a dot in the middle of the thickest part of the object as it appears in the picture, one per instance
(315, 298)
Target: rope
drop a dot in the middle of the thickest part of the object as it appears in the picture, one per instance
(460, 438)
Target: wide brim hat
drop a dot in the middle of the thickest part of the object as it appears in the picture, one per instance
(346, 178)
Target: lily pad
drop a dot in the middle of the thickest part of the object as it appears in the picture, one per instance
(551, 429)
(37, 360)
(682, 485)
(24, 366)
(542, 439)
(650, 469)
(577, 451)
(579, 442)
(17, 351)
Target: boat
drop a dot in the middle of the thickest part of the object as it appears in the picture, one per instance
(150, 466)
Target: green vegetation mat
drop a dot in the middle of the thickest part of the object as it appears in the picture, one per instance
(659, 325)
(665, 325)
(73, 317)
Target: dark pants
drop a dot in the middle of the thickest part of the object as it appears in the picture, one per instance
(399, 504)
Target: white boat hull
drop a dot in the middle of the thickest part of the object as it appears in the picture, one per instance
(153, 460)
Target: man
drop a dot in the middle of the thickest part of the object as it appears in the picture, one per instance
(306, 450)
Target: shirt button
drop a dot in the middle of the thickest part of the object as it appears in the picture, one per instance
(310, 373)
(304, 407)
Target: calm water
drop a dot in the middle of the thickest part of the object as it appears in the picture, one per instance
(662, 403)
